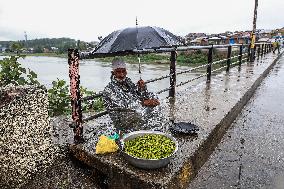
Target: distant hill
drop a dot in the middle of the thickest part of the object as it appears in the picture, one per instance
(60, 45)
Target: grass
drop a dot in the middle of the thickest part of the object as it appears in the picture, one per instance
(164, 58)
(146, 58)
(191, 58)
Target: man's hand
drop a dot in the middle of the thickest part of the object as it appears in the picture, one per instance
(151, 102)
(141, 84)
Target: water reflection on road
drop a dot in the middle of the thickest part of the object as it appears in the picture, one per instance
(251, 153)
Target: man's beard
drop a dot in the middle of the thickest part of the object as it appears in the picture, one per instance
(120, 80)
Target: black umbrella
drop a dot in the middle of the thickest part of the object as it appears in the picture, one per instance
(137, 38)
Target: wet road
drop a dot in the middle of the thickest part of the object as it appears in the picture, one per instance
(251, 154)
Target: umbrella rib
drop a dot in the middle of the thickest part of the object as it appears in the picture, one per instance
(160, 37)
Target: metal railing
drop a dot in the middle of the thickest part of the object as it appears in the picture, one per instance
(260, 48)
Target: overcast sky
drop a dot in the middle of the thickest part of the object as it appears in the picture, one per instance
(88, 19)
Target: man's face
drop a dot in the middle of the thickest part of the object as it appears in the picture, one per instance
(120, 73)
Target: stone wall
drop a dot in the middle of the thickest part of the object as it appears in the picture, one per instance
(25, 143)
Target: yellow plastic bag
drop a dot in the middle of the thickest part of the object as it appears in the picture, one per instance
(106, 145)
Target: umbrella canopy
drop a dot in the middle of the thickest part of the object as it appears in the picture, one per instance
(137, 38)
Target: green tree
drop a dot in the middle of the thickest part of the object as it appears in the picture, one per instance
(38, 49)
(81, 45)
(16, 47)
(38, 44)
(12, 73)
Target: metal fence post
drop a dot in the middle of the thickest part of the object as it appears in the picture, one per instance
(240, 55)
(229, 57)
(172, 74)
(248, 53)
(258, 51)
(73, 61)
(254, 52)
(209, 65)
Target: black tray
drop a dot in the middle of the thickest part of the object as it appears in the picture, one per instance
(184, 128)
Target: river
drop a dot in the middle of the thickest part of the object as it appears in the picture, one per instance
(95, 75)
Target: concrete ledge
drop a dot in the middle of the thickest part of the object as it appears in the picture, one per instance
(212, 106)
(25, 144)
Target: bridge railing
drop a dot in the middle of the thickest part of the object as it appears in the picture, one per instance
(242, 56)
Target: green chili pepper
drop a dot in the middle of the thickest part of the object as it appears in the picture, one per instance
(150, 146)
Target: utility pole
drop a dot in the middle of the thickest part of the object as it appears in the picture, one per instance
(26, 39)
(253, 32)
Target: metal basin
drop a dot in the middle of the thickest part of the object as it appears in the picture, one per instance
(146, 163)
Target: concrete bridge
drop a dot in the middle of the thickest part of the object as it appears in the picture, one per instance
(213, 106)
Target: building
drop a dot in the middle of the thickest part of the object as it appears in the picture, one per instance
(192, 36)
(199, 41)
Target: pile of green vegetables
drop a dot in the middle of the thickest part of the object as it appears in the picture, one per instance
(150, 146)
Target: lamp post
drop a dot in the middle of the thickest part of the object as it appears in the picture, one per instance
(253, 32)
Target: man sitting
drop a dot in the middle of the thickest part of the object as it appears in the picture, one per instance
(131, 107)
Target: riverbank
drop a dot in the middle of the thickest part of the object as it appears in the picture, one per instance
(151, 58)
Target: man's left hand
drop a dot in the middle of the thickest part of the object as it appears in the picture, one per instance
(151, 102)
(141, 84)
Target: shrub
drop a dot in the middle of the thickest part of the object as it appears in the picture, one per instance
(12, 73)
(59, 98)
(60, 103)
